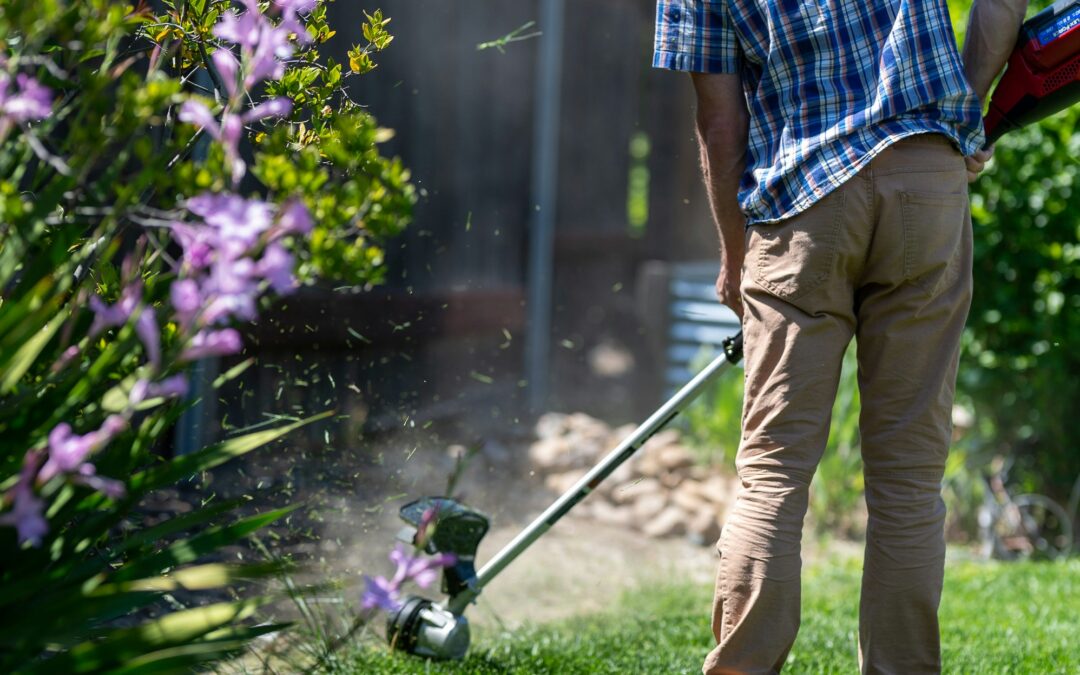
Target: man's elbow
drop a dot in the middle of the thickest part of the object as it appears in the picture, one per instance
(722, 128)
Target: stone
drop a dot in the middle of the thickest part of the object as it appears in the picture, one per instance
(585, 448)
(688, 496)
(648, 506)
(669, 522)
(610, 514)
(719, 489)
(587, 426)
(550, 454)
(550, 425)
(561, 482)
(629, 492)
(703, 527)
(650, 466)
(671, 479)
(674, 457)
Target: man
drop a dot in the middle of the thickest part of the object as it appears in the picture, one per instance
(837, 138)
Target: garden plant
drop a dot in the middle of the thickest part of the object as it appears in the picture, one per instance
(166, 170)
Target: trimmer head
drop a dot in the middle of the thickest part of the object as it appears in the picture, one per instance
(421, 626)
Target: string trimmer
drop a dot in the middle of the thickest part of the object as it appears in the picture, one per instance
(440, 630)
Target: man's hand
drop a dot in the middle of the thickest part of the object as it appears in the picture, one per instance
(730, 279)
(977, 162)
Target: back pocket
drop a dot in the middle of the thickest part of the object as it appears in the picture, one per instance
(796, 255)
(933, 234)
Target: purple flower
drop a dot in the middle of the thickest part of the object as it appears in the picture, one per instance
(235, 218)
(386, 594)
(147, 329)
(110, 487)
(109, 316)
(171, 387)
(231, 127)
(289, 19)
(68, 451)
(199, 244)
(276, 267)
(228, 68)
(187, 300)
(30, 102)
(294, 218)
(295, 6)
(380, 593)
(231, 291)
(27, 511)
(242, 29)
(279, 106)
(423, 571)
(118, 314)
(213, 343)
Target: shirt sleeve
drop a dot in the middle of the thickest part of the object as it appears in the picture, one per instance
(696, 36)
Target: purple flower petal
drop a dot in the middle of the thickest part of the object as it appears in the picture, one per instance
(264, 65)
(295, 6)
(294, 217)
(110, 487)
(171, 387)
(109, 316)
(27, 516)
(243, 29)
(279, 106)
(68, 451)
(198, 243)
(228, 68)
(187, 300)
(147, 329)
(233, 216)
(380, 593)
(276, 267)
(195, 112)
(27, 510)
(32, 102)
(213, 343)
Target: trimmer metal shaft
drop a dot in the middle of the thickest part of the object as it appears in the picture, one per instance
(657, 421)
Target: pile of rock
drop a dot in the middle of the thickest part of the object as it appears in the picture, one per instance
(660, 491)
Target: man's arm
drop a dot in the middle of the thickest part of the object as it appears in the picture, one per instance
(722, 127)
(991, 35)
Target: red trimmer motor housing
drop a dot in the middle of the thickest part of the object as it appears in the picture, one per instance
(1043, 76)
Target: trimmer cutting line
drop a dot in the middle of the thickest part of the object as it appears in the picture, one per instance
(1042, 78)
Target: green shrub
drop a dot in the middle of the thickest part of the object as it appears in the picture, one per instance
(135, 232)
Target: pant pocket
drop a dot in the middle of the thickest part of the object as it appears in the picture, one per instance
(933, 238)
(793, 257)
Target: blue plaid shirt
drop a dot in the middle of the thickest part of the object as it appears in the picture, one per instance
(828, 83)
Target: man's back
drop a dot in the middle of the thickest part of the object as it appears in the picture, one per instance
(829, 84)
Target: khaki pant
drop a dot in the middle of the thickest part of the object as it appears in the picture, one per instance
(886, 259)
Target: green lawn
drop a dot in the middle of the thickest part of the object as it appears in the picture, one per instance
(996, 618)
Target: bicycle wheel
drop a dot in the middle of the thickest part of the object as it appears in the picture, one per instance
(1046, 525)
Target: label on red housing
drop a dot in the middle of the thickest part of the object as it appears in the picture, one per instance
(1061, 25)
